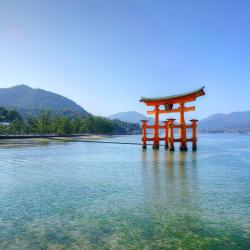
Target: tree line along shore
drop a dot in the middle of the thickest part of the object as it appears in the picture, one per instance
(48, 123)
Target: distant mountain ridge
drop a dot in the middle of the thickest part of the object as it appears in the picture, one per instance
(29, 101)
(233, 122)
(130, 116)
(238, 122)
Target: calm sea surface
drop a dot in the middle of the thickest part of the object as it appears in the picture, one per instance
(75, 195)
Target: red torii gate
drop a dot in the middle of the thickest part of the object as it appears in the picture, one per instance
(168, 102)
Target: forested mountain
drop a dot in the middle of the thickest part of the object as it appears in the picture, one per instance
(233, 122)
(130, 116)
(28, 101)
(36, 111)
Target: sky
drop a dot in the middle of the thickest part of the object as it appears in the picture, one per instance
(106, 54)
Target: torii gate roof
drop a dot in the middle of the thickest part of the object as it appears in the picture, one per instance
(185, 97)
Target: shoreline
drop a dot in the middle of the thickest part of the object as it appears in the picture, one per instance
(91, 136)
(86, 136)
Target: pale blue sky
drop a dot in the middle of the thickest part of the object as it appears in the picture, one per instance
(106, 54)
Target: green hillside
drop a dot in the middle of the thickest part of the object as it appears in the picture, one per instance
(28, 101)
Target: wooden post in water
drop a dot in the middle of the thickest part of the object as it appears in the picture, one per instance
(182, 130)
(144, 133)
(156, 128)
(194, 137)
(166, 133)
(171, 134)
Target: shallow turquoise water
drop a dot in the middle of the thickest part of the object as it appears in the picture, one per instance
(73, 195)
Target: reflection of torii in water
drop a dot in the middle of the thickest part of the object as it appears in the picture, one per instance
(170, 179)
(168, 102)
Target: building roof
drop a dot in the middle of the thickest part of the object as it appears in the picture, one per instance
(190, 96)
(4, 123)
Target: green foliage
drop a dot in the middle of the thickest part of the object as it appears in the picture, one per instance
(16, 127)
(61, 126)
(31, 125)
(3, 130)
(44, 122)
(48, 123)
(9, 115)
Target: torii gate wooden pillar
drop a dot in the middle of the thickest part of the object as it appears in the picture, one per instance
(168, 126)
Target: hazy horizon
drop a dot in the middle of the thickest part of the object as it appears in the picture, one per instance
(105, 55)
